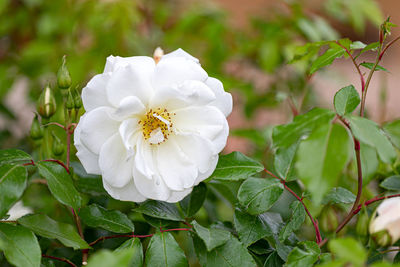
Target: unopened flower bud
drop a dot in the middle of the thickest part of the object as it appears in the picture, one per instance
(70, 101)
(362, 225)
(36, 129)
(382, 238)
(58, 147)
(77, 99)
(63, 77)
(328, 220)
(158, 53)
(46, 105)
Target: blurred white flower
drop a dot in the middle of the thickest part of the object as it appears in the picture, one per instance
(17, 211)
(153, 131)
(387, 219)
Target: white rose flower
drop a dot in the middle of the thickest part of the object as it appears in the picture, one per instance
(153, 131)
(387, 218)
(17, 211)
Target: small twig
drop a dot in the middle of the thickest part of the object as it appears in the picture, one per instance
(85, 252)
(59, 259)
(54, 123)
(29, 163)
(313, 221)
(387, 46)
(389, 250)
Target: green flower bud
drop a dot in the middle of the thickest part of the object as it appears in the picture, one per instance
(46, 105)
(63, 77)
(382, 238)
(36, 129)
(328, 220)
(70, 101)
(362, 223)
(58, 147)
(77, 99)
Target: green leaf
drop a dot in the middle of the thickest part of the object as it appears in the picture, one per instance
(13, 156)
(259, 195)
(231, 254)
(12, 185)
(87, 183)
(305, 255)
(327, 58)
(369, 162)
(111, 220)
(212, 237)
(252, 228)
(370, 65)
(321, 158)
(60, 184)
(284, 162)
(160, 210)
(339, 195)
(358, 45)
(288, 134)
(106, 258)
(273, 260)
(346, 100)
(46, 227)
(349, 250)
(164, 251)
(193, 202)
(369, 133)
(294, 222)
(136, 247)
(19, 245)
(392, 129)
(236, 166)
(371, 46)
(391, 183)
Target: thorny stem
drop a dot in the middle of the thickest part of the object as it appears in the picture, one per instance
(85, 252)
(313, 221)
(138, 236)
(59, 259)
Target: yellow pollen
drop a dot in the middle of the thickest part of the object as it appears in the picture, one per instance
(156, 125)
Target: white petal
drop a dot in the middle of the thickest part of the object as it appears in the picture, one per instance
(129, 106)
(177, 196)
(172, 70)
(94, 95)
(208, 122)
(127, 193)
(130, 131)
(89, 160)
(202, 176)
(144, 159)
(97, 127)
(133, 79)
(114, 63)
(151, 187)
(116, 167)
(176, 169)
(223, 99)
(180, 53)
(184, 94)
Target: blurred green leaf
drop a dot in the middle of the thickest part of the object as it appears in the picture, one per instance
(193, 202)
(370, 47)
(87, 183)
(236, 166)
(346, 100)
(327, 58)
(339, 195)
(304, 255)
(164, 251)
(60, 184)
(19, 245)
(161, 210)
(284, 162)
(370, 65)
(322, 157)
(294, 222)
(106, 258)
(212, 237)
(392, 129)
(12, 186)
(391, 183)
(349, 250)
(111, 220)
(259, 195)
(358, 45)
(49, 228)
(15, 156)
(135, 246)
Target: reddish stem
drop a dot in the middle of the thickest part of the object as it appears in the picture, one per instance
(59, 259)
(313, 221)
(387, 46)
(29, 163)
(59, 162)
(55, 123)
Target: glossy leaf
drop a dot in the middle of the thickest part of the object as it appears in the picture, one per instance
(259, 195)
(392, 129)
(49, 228)
(60, 184)
(273, 260)
(15, 156)
(391, 183)
(87, 183)
(111, 220)
(19, 245)
(231, 254)
(193, 202)
(327, 58)
(236, 166)
(346, 100)
(164, 251)
(322, 157)
(12, 185)
(284, 162)
(304, 255)
(161, 210)
(294, 222)
(369, 133)
(212, 237)
(136, 248)
(339, 195)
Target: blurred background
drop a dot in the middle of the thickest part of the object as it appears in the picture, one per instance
(245, 44)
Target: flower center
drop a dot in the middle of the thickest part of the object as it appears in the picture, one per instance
(156, 126)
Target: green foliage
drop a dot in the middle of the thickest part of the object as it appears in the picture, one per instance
(212, 237)
(12, 185)
(392, 129)
(306, 254)
(346, 100)
(106, 258)
(193, 202)
(295, 221)
(160, 210)
(13, 156)
(135, 245)
(391, 183)
(370, 65)
(339, 195)
(348, 250)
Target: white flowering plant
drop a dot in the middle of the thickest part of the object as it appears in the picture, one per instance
(142, 172)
